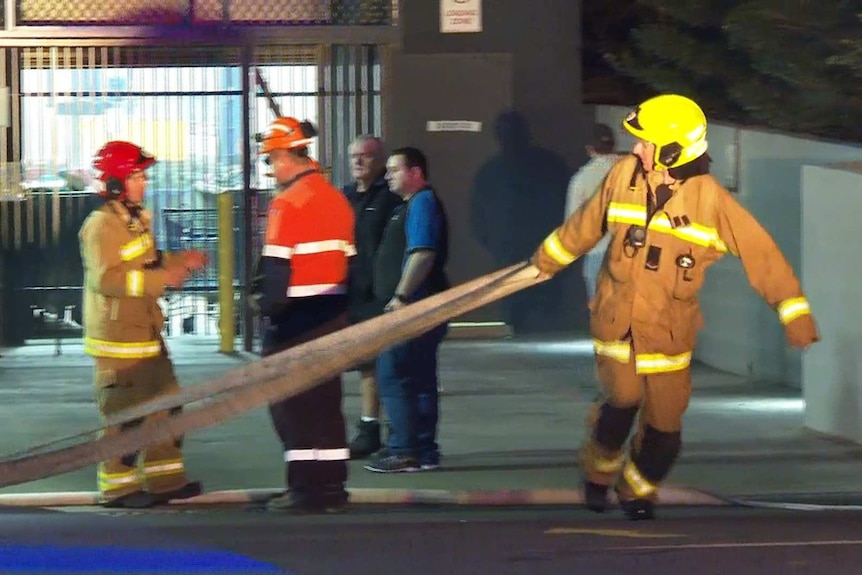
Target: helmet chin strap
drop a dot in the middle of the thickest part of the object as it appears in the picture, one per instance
(133, 207)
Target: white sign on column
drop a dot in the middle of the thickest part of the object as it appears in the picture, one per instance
(460, 16)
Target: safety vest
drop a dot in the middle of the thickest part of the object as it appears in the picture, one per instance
(310, 224)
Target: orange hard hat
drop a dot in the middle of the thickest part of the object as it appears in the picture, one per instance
(286, 133)
(116, 161)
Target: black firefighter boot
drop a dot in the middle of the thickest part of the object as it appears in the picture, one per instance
(595, 496)
(638, 509)
(367, 440)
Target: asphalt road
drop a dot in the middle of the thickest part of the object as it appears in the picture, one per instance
(418, 541)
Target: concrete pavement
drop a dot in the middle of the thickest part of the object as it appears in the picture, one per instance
(511, 418)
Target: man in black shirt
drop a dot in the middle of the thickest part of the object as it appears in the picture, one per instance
(373, 204)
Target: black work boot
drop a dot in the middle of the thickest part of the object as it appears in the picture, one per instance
(187, 491)
(367, 440)
(638, 509)
(595, 496)
(134, 500)
(326, 499)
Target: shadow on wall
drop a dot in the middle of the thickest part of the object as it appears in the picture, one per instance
(518, 197)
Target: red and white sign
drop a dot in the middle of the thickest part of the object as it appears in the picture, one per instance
(460, 16)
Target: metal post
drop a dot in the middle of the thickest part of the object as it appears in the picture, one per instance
(226, 321)
(248, 203)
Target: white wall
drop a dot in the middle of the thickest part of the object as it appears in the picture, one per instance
(832, 274)
(742, 334)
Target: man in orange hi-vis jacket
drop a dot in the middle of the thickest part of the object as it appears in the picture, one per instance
(669, 220)
(301, 291)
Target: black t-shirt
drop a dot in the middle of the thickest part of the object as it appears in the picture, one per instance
(372, 209)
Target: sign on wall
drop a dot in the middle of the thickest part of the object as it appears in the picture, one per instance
(453, 126)
(460, 16)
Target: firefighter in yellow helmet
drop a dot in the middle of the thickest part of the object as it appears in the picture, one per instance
(124, 275)
(669, 220)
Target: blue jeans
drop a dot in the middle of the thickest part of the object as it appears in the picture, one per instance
(407, 384)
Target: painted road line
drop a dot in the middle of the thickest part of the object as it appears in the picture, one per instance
(626, 533)
(760, 545)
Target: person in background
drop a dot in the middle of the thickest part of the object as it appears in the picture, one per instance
(410, 265)
(582, 186)
(373, 205)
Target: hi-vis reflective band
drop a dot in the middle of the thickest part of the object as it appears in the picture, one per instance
(113, 481)
(341, 454)
(308, 248)
(621, 351)
(136, 248)
(554, 248)
(697, 234)
(121, 350)
(636, 481)
(135, 283)
(603, 465)
(618, 350)
(790, 309)
(316, 289)
(162, 468)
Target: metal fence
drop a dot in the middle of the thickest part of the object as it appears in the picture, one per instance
(197, 109)
(174, 12)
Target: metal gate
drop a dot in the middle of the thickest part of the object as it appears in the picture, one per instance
(197, 109)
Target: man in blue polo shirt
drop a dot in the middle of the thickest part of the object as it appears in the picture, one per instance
(410, 265)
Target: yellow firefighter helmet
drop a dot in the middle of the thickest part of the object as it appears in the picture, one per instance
(675, 124)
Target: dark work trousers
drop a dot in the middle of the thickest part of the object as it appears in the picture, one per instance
(407, 382)
(311, 424)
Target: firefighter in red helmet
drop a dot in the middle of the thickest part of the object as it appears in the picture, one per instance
(124, 275)
(301, 292)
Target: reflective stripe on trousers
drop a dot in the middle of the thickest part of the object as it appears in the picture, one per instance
(645, 363)
(641, 487)
(163, 468)
(126, 481)
(339, 454)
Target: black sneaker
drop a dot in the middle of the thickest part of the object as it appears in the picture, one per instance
(367, 440)
(386, 462)
(429, 462)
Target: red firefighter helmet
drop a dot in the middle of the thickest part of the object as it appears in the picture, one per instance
(116, 161)
(286, 133)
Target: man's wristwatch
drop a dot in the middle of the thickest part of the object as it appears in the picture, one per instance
(400, 298)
